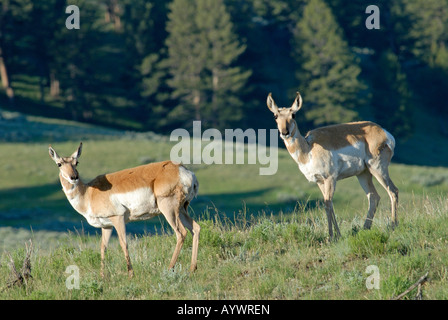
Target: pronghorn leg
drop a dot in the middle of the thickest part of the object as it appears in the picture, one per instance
(384, 179)
(379, 169)
(119, 224)
(171, 210)
(105, 236)
(365, 180)
(195, 229)
(328, 188)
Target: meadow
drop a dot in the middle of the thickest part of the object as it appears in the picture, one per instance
(262, 237)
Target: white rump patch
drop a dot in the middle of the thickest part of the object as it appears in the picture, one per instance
(189, 183)
(390, 141)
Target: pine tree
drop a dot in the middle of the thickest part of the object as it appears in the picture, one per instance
(144, 33)
(328, 70)
(202, 55)
(428, 30)
(426, 38)
(185, 59)
(391, 98)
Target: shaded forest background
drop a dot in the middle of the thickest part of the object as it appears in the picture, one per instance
(158, 65)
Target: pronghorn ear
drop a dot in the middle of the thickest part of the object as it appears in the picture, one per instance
(77, 153)
(53, 154)
(297, 104)
(271, 104)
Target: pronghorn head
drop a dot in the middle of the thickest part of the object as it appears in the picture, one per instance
(285, 116)
(67, 165)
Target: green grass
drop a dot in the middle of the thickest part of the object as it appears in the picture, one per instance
(264, 257)
(262, 237)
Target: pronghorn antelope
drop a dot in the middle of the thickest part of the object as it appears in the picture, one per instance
(335, 152)
(140, 193)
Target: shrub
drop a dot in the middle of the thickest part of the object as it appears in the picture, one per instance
(265, 231)
(367, 243)
(394, 285)
(92, 288)
(210, 234)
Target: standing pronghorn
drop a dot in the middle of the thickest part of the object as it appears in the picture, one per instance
(335, 152)
(140, 193)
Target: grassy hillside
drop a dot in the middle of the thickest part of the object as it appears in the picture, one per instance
(263, 237)
(269, 257)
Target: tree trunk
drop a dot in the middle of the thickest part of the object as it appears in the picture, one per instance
(215, 82)
(5, 77)
(196, 103)
(112, 14)
(3, 69)
(54, 85)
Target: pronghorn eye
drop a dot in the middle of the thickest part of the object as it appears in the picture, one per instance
(275, 116)
(59, 164)
(293, 115)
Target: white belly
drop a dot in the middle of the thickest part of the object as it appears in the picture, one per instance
(139, 204)
(349, 161)
(341, 163)
(98, 222)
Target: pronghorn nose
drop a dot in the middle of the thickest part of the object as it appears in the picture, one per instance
(74, 176)
(286, 132)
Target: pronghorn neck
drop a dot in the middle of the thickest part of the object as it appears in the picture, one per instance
(297, 145)
(74, 193)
